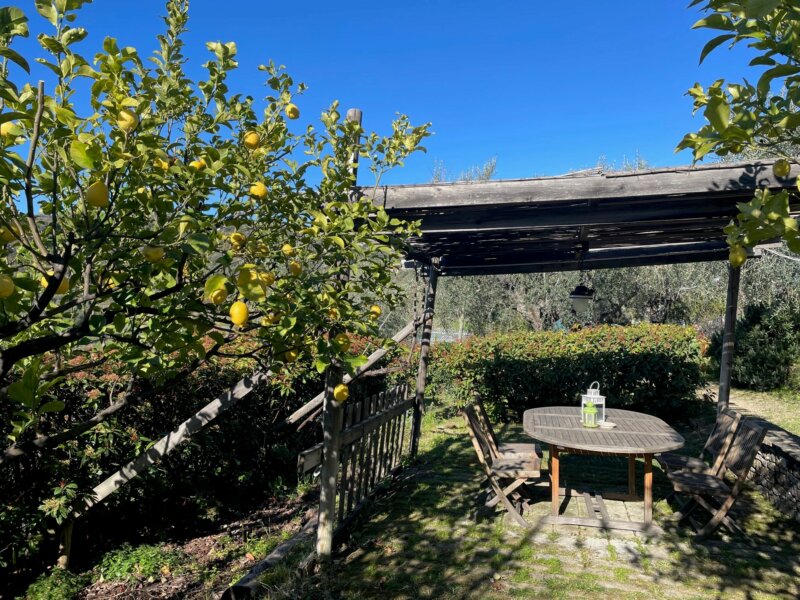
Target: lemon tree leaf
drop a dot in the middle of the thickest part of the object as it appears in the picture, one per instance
(197, 243)
(15, 57)
(81, 154)
(756, 9)
(23, 394)
(718, 113)
(53, 406)
(13, 22)
(47, 10)
(214, 283)
(713, 43)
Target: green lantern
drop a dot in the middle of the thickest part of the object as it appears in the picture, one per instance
(589, 415)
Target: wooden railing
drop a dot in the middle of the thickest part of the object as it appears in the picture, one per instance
(375, 435)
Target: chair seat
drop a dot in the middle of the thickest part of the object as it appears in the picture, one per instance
(519, 450)
(676, 462)
(698, 483)
(517, 468)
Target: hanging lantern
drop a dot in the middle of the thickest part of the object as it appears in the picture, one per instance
(592, 396)
(581, 298)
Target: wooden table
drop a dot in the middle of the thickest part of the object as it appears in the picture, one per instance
(635, 434)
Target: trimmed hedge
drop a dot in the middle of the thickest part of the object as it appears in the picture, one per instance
(653, 368)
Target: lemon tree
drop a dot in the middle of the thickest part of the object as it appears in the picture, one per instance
(157, 222)
(742, 117)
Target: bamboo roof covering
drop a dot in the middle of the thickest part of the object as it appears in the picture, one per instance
(583, 220)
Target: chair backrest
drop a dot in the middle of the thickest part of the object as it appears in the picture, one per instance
(479, 439)
(721, 437)
(483, 419)
(744, 448)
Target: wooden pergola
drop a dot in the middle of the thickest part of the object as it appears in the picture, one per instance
(579, 221)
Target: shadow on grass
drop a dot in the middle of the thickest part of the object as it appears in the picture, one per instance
(429, 536)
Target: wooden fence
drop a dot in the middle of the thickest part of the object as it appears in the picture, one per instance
(375, 434)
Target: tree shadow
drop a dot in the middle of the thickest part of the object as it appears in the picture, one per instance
(429, 536)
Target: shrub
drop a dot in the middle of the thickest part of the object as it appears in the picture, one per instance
(656, 368)
(129, 563)
(767, 346)
(59, 583)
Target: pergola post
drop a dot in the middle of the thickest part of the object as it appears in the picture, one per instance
(728, 338)
(424, 352)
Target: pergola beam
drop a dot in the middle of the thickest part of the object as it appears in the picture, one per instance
(667, 183)
(596, 259)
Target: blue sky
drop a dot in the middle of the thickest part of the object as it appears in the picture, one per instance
(543, 87)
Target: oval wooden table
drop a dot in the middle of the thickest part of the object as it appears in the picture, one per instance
(636, 434)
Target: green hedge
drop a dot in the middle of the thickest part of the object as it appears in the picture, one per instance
(654, 368)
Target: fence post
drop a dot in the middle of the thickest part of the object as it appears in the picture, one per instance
(424, 351)
(728, 338)
(333, 416)
(332, 419)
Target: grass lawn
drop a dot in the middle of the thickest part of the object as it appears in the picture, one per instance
(781, 407)
(428, 536)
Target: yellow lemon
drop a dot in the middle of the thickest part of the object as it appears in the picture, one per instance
(238, 239)
(114, 279)
(239, 313)
(341, 392)
(127, 120)
(781, 168)
(97, 195)
(374, 312)
(6, 128)
(218, 296)
(152, 254)
(258, 190)
(252, 140)
(63, 287)
(291, 355)
(246, 276)
(270, 318)
(287, 250)
(295, 268)
(737, 256)
(292, 111)
(342, 342)
(267, 278)
(7, 286)
(160, 163)
(7, 234)
(197, 165)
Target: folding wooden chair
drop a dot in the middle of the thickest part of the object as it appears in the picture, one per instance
(507, 450)
(506, 475)
(715, 449)
(710, 490)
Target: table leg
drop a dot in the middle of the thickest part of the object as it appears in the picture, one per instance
(648, 489)
(554, 485)
(632, 475)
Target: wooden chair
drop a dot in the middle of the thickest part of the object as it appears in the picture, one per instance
(507, 450)
(506, 475)
(716, 447)
(712, 491)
